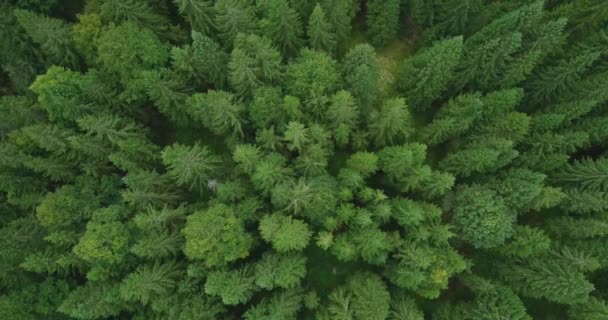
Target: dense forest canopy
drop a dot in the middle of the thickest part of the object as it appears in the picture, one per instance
(304, 159)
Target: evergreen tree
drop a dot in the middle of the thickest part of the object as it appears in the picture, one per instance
(52, 35)
(320, 32)
(285, 234)
(382, 21)
(547, 278)
(392, 123)
(198, 13)
(362, 74)
(283, 26)
(340, 14)
(190, 166)
(253, 62)
(233, 17)
(311, 77)
(216, 236)
(424, 77)
(482, 217)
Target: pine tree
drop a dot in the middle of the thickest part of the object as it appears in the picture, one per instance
(404, 308)
(283, 26)
(453, 119)
(555, 81)
(266, 108)
(233, 17)
(392, 123)
(198, 13)
(149, 282)
(425, 13)
(270, 171)
(284, 233)
(216, 236)
(280, 270)
(587, 173)
(234, 286)
(93, 300)
(320, 32)
(547, 278)
(53, 36)
(140, 13)
(253, 62)
(362, 74)
(594, 309)
(219, 111)
(343, 114)
(425, 77)
(311, 77)
(382, 21)
(340, 14)
(190, 166)
(482, 217)
(204, 61)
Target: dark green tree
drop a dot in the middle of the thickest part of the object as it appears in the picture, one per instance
(382, 21)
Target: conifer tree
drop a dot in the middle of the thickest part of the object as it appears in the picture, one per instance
(52, 35)
(424, 77)
(362, 73)
(233, 17)
(199, 13)
(553, 280)
(482, 217)
(311, 77)
(253, 62)
(320, 32)
(340, 14)
(216, 236)
(285, 234)
(190, 166)
(392, 123)
(283, 26)
(139, 13)
(234, 286)
(382, 21)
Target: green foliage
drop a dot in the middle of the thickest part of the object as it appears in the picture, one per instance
(149, 282)
(424, 77)
(216, 236)
(392, 123)
(362, 74)
(482, 217)
(198, 13)
(190, 166)
(284, 233)
(588, 173)
(54, 37)
(233, 17)
(253, 62)
(364, 296)
(219, 111)
(312, 75)
(280, 270)
(557, 281)
(320, 31)
(283, 26)
(382, 21)
(303, 159)
(234, 287)
(103, 243)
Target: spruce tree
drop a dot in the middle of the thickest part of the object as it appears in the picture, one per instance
(283, 26)
(382, 21)
(424, 77)
(320, 32)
